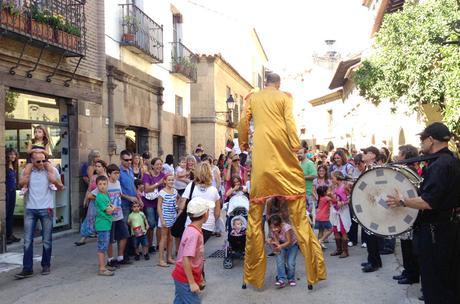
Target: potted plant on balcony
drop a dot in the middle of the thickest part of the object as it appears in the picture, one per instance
(12, 16)
(40, 24)
(66, 34)
(131, 24)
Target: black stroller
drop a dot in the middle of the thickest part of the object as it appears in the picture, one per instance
(235, 244)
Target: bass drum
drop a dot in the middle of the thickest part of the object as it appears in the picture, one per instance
(369, 195)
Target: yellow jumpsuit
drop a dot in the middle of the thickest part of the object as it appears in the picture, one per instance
(275, 172)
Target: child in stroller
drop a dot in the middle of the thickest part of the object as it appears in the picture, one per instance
(237, 212)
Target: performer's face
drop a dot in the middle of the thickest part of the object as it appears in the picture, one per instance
(275, 228)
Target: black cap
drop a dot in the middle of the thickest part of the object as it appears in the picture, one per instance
(437, 130)
(358, 158)
(371, 149)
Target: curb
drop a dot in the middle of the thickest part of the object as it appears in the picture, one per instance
(38, 239)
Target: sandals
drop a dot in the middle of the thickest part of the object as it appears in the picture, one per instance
(163, 265)
(171, 262)
(105, 273)
(79, 243)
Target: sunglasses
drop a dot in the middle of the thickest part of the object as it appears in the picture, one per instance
(41, 161)
(128, 159)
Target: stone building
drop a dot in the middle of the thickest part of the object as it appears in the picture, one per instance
(52, 76)
(213, 120)
(149, 71)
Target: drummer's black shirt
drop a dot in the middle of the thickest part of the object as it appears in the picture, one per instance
(440, 187)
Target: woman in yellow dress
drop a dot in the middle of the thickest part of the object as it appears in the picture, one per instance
(275, 172)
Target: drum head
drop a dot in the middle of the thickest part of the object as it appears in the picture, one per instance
(369, 204)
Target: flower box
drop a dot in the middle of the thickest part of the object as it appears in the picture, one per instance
(67, 40)
(16, 22)
(41, 30)
(128, 38)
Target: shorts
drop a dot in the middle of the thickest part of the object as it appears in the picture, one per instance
(140, 240)
(103, 240)
(119, 231)
(323, 225)
(152, 216)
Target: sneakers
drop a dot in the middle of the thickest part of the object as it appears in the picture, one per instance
(363, 245)
(152, 249)
(125, 261)
(146, 257)
(280, 284)
(113, 264)
(137, 257)
(46, 270)
(105, 273)
(292, 283)
(24, 275)
(350, 244)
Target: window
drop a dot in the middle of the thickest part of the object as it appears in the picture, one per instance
(236, 114)
(229, 92)
(179, 106)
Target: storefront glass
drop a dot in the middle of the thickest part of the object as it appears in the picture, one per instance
(23, 113)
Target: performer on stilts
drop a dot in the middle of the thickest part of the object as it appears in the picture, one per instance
(276, 173)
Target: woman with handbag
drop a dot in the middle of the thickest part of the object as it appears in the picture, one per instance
(202, 187)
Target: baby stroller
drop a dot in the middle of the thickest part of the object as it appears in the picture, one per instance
(237, 210)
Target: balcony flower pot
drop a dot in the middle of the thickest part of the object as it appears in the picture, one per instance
(41, 30)
(16, 21)
(67, 40)
(128, 37)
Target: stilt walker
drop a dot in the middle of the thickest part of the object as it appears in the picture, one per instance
(275, 172)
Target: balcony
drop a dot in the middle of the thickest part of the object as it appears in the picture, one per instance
(141, 35)
(58, 25)
(184, 62)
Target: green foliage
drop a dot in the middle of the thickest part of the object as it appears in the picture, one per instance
(416, 59)
(56, 21)
(11, 101)
(12, 7)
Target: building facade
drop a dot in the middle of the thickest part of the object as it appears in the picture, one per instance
(213, 122)
(52, 76)
(149, 70)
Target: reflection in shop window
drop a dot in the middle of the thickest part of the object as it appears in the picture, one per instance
(32, 107)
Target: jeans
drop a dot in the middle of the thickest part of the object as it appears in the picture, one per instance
(183, 294)
(46, 219)
(285, 262)
(10, 204)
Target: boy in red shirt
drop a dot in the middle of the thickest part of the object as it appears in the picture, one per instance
(187, 274)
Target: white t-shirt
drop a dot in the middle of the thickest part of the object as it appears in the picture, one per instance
(211, 194)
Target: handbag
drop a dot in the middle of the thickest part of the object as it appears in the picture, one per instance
(177, 229)
(152, 195)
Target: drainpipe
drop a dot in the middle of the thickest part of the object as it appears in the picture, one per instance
(160, 103)
(112, 146)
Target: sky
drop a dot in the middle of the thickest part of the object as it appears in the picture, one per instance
(292, 30)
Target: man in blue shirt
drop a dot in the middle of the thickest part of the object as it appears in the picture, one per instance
(128, 188)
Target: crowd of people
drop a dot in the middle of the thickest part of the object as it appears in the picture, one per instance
(144, 206)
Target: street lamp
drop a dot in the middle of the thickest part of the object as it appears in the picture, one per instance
(230, 102)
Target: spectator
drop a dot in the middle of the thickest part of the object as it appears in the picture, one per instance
(138, 166)
(153, 183)
(39, 206)
(10, 199)
(168, 166)
(340, 163)
(198, 152)
(182, 179)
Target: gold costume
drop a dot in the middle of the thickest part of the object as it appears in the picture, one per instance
(276, 172)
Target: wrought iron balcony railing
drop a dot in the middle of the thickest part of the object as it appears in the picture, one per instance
(56, 23)
(141, 34)
(184, 62)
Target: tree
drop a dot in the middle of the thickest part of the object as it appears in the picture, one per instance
(416, 59)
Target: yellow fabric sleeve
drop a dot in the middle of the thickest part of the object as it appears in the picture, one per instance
(291, 128)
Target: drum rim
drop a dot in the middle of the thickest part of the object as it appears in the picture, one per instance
(355, 217)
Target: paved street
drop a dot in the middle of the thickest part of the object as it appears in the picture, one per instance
(74, 280)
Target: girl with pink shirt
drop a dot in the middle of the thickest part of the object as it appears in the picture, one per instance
(340, 214)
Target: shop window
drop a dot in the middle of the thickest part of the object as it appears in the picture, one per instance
(179, 106)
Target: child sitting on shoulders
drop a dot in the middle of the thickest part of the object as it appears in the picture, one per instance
(139, 225)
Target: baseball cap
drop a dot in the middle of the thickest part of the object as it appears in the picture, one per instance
(358, 158)
(198, 206)
(371, 149)
(437, 130)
